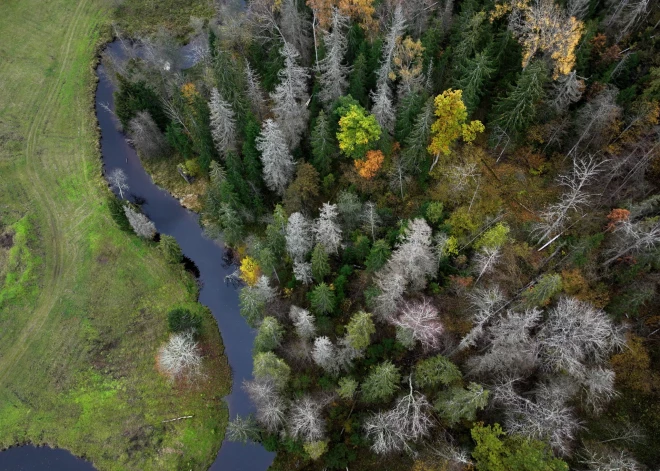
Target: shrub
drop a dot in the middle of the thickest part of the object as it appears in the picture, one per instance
(183, 320)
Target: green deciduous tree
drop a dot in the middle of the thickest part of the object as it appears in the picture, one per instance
(358, 131)
(268, 365)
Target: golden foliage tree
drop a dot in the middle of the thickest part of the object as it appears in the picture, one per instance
(250, 271)
(451, 124)
(361, 11)
(368, 167)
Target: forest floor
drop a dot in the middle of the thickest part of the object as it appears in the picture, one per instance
(83, 305)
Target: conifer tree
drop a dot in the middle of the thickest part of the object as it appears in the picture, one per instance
(277, 162)
(222, 123)
(323, 145)
(333, 72)
(474, 74)
(357, 86)
(290, 97)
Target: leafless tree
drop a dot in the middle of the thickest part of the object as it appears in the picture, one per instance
(303, 272)
(555, 217)
(180, 357)
(278, 165)
(223, 125)
(326, 228)
(117, 179)
(512, 350)
(255, 92)
(140, 223)
(485, 261)
(392, 285)
(486, 302)
(603, 459)
(270, 405)
(371, 219)
(575, 335)
(421, 319)
(333, 71)
(383, 109)
(626, 14)
(295, 28)
(414, 256)
(598, 385)
(325, 355)
(577, 8)
(299, 238)
(595, 119)
(145, 135)
(634, 238)
(568, 89)
(304, 322)
(305, 421)
(243, 429)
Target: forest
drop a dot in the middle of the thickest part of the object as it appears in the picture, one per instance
(445, 218)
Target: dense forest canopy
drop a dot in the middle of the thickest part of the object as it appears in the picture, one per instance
(446, 218)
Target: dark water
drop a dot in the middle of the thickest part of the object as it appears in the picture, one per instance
(31, 458)
(172, 219)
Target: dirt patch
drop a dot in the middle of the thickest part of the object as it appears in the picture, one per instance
(6, 240)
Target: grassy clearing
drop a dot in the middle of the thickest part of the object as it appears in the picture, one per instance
(82, 304)
(146, 16)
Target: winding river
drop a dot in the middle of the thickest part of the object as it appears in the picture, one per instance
(172, 219)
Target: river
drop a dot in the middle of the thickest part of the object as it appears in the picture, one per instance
(172, 219)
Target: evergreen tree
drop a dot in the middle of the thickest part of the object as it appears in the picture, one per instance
(381, 383)
(290, 97)
(323, 145)
(474, 74)
(357, 87)
(517, 110)
(322, 299)
(320, 263)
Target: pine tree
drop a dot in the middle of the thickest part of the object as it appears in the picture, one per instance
(322, 299)
(333, 72)
(222, 123)
(290, 97)
(278, 166)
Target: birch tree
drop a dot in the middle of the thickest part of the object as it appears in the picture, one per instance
(325, 355)
(278, 165)
(180, 357)
(303, 322)
(290, 97)
(414, 256)
(223, 125)
(371, 219)
(118, 180)
(421, 320)
(334, 73)
(327, 230)
(299, 239)
(270, 406)
(146, 136)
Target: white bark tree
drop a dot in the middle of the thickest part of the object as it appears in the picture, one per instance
(382, 108)
(486, 303)
(392, 285)
(414, 256)
(304, 322)
(299, 238)
(555, 217)
(146, 136)
(180, 357)
(303, 271)
(254, 92)
(327, 230)
(290, 97)
(634, 238)
(295, 28)
(305, 421)
(512, 349)
(223, 125)
(568, 89)
(595, 119)
(421, 320)
(576, 335)
(140, 223)
(325, 355)
(278, 165)
(270, 406)
(485, 261)
(370, 219)
(333, 71)
(118, 180)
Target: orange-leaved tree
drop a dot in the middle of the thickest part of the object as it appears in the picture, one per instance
(451, 124)
(250, 271)
(368, 167)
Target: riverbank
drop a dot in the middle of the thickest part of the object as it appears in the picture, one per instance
(83, 304)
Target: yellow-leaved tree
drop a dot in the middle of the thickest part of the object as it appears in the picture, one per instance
(451, 124)
(250, 271)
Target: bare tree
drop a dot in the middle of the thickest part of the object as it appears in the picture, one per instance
(290, 97)
(145, 135)
(303, 271)
(270, 405)
(333, 72)
(598, 385)
(278, 165)
(223, 125)
(140, 223)
(485, 261)
(603, 459)
(294, 27)
(117, 179)
(305, 421)
(243, 429)
(576, 335)
(371, 219)
(180, 357)
(595, 119)
(326, 229)
(555, 217)
(568, 89)
(303, 321)
(414, 256)
(255, 92)
(512, 350)
(299, 239)
(626, 14)
(486, 304)
(392, 285)
(382, 108)
(325, 355)
(577, 8)
(421, 320)
(634, 238)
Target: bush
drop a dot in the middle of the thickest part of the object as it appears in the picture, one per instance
(182, 320)
(116, 208)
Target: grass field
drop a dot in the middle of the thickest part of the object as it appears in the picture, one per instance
(82, 304)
